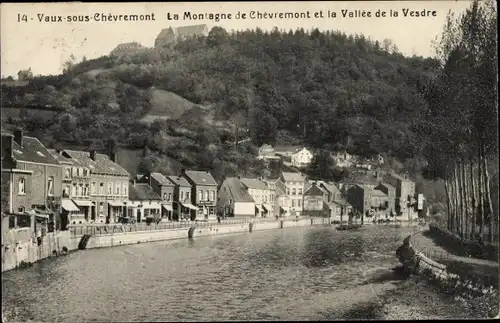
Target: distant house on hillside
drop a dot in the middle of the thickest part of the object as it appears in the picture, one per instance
(24, 75)
(343, 159)
(127, 48)
(301, 158)
(169, 36)
(267, 152)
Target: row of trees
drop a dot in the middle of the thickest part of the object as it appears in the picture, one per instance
(461, 128)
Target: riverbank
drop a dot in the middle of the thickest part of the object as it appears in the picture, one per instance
(475, 290)
(55, 244)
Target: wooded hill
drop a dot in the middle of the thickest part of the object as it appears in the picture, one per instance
(324, 89)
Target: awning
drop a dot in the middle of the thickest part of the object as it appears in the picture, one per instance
(190, 206)
(42, 211)
(116, 203)
(168, 207)
(267, 207)
(82, 203)
(69, 206)
(257, 207)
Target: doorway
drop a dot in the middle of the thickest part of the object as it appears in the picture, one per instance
(138, 215)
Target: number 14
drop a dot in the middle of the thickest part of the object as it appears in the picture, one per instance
(22, 18)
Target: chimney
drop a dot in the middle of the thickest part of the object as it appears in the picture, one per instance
(7, 147)
(183, 171)
(239, 177)
(18, 137)
(112, 156)
(93, 155)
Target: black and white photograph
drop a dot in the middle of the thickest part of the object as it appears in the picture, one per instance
(249, 161)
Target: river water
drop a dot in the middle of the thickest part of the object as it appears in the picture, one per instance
(305, 273)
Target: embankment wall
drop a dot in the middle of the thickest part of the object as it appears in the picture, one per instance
(22, 251)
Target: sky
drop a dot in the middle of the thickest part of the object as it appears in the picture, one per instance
(45, 46)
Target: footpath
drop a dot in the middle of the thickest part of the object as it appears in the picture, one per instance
(427, 246)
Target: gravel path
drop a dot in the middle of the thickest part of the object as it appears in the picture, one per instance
(434, 251)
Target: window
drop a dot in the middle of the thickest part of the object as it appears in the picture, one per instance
(22, 186)
(293, 203)
(293, 191)
(86, 190)
(50, 186)
(110, 188)
(212, 195)
(74, 192)
(298, 203)
(101, 188)
(200, 195)
(117, 188)
(230, 201)
(287, 191)
(20, 210)
(169, 197)
(67, 172)
(164, 196)
(77, 190)
(300, 191)
(66, 190)
(124, 190)
(92, 188)
(78, 172)
(182, 196)
(74, 171)
(206, 195)
(187, 195)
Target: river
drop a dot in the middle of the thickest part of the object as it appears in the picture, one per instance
(304, 273)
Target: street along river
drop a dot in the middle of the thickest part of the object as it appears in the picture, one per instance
(304, 273)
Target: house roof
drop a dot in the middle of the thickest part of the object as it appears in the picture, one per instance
(292, 177)
(62, 159)
(314, 190)
(279, 191)
(190, 30)
(341, 201)
(388, 186)
(179, 180)
(254, 183)
(287, 149)
(237, 190)
(161, 179)
(142, 192)
(33, 151)
(330, 187)
(376, 192)
(102, 164)
(200, 177)
(401, 178)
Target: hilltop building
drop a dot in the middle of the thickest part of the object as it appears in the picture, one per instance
(170, 36)
(127, 48)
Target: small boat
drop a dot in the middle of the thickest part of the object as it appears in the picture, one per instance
(349, 227)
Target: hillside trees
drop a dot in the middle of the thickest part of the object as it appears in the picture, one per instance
(461, 124)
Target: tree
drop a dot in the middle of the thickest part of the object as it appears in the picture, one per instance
(460, 131)
(217, 36)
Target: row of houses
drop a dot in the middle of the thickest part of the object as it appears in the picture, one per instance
(74, 187)
(64, 187)
(292, 194)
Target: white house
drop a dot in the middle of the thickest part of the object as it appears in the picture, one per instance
(234, 199)
(143, 202)
(302, 158)
(292, 184)
(261, 194)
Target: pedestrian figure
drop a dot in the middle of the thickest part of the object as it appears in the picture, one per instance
(218, 219)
